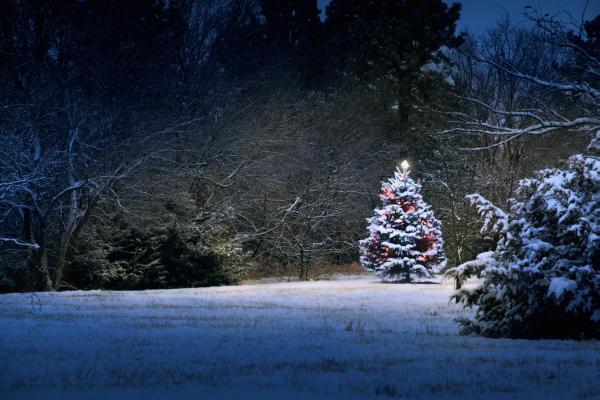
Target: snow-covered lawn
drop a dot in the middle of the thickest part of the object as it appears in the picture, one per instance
(347, 338)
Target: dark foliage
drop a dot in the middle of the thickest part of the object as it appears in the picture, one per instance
(386, 43)
(171, 257)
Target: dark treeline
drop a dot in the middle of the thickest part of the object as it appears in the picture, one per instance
(180, 143)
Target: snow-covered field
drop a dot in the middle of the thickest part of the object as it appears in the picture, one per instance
(347, 338)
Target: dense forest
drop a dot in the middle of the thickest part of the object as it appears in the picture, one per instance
(159, 144)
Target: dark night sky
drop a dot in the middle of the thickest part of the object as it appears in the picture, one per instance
(477, 15)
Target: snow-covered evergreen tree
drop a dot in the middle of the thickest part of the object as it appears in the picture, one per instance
(405, 240)
(543, 278)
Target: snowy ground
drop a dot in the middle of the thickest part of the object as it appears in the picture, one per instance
(352, 338)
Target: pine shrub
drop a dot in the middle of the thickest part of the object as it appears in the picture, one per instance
(543, 278)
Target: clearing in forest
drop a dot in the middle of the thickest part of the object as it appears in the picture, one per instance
(352, 337)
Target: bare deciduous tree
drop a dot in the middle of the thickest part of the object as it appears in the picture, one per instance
(558, 93)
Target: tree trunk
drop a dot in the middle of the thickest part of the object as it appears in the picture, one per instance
(39, 257)
(44, 267)
(302, 264)
(457, 283)
(74, 212)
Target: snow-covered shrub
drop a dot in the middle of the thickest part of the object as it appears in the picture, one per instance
(165, 257)
(196, 257)
(405, 240)
(543, 279)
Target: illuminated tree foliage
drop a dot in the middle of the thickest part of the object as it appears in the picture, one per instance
(405, 240)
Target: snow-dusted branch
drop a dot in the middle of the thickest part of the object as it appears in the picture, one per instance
(541, 128)
(582, 87)
(495, 220)
(20, 242)
(518, 83)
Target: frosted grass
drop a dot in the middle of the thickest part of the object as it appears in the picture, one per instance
(353, 337)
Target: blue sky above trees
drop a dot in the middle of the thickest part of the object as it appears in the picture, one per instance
(477, 15)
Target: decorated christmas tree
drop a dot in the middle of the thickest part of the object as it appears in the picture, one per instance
(405, 240)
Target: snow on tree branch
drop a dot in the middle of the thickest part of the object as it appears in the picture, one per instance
(495, 220)
(20, 242)
(543, 277)
(557, 92)
(582, 87)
